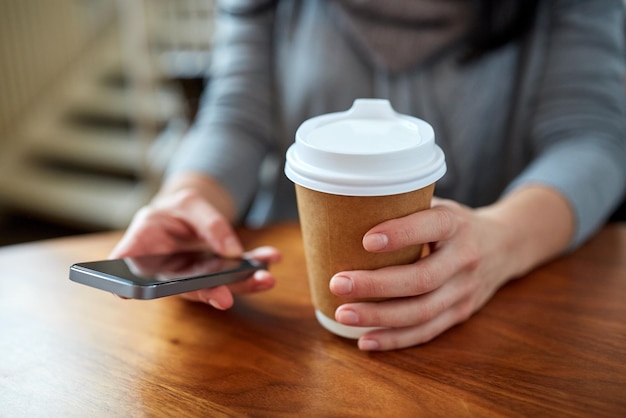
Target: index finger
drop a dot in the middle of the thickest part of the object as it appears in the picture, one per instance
(207, 222)
(436, 224)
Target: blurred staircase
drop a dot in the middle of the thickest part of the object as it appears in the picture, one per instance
(78, 158)
(93, 148)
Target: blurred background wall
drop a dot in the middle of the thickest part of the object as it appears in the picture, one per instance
(94, 96)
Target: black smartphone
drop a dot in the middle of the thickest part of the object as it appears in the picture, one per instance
(158, 275)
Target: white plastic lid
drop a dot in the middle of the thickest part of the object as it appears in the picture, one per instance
(368, 150)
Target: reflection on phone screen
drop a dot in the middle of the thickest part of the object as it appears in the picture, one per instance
(177, 265)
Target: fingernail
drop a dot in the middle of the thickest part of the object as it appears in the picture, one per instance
(264, 285)
(341, 285)
(215, 304)
(368, 345)
(347, 317)
(232, 247)
(375, 242)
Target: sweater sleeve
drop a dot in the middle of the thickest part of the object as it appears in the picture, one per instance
(579, 124)
(233, 130)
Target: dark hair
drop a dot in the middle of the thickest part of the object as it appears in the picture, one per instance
(498, 22)
(249, 10)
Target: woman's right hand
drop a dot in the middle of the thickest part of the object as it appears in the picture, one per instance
(181, 218)
(180, 221)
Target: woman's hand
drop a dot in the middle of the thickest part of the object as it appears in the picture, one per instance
(183, 219)
(473, 253)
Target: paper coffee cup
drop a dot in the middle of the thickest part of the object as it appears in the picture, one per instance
(352, 171)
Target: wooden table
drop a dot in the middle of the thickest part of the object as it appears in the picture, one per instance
(550, 344)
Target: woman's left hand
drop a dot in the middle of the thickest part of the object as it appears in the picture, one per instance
(467, 264)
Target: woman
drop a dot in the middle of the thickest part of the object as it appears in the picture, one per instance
(526, 99)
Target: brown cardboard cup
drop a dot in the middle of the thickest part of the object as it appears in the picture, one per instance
(354, 170)
(333, 227)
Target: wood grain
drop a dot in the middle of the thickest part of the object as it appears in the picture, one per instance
(550, 344)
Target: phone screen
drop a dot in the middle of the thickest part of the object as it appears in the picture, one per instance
(151, 276)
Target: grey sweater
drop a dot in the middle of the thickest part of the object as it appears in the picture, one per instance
(550, 109)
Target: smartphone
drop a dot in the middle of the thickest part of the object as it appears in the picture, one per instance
(158, 275)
